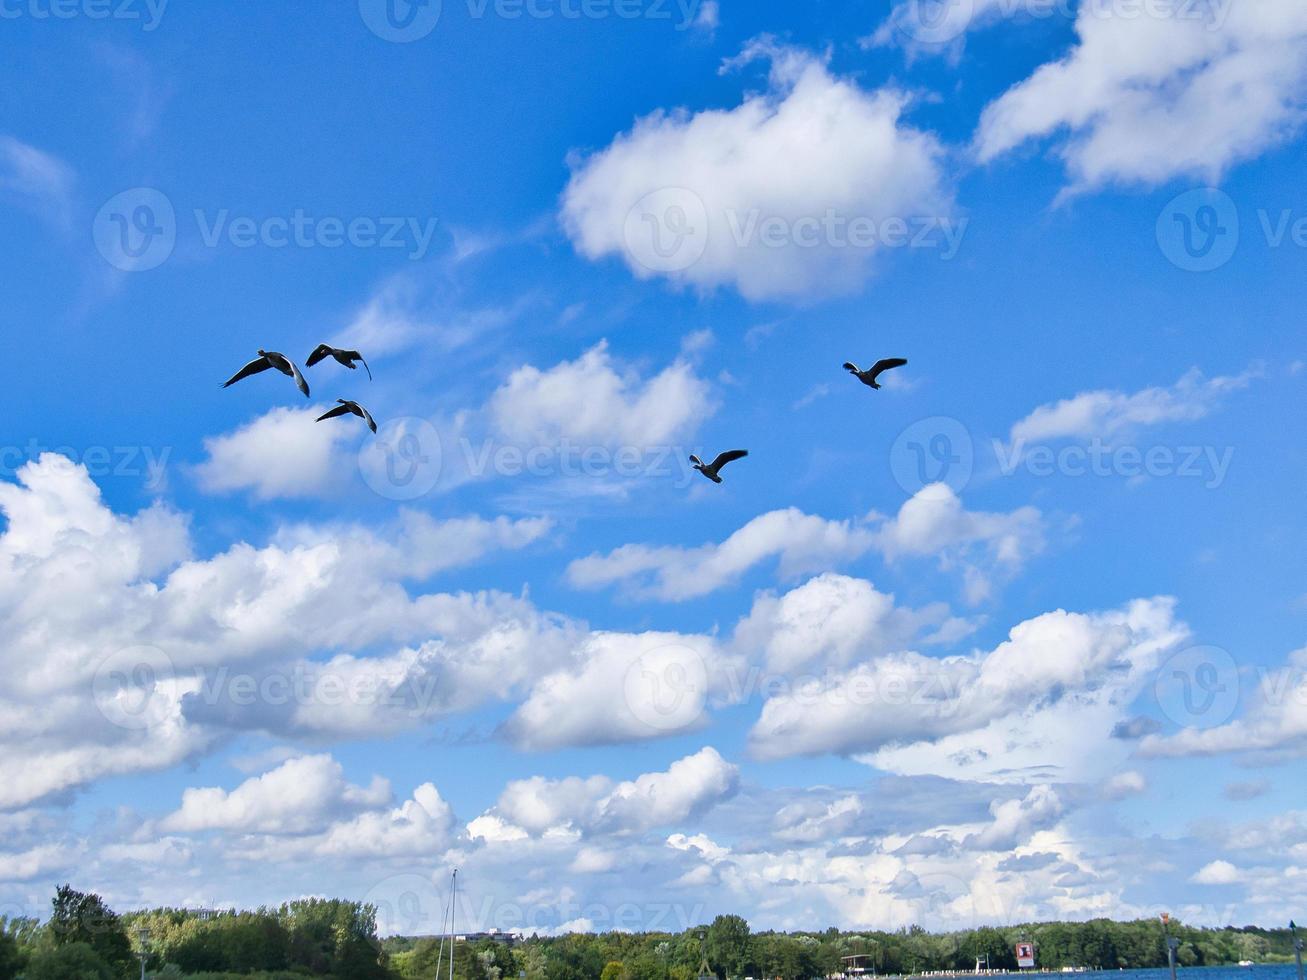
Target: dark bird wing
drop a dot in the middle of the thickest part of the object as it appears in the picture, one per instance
(336, 413)
(355, 355)
(728, 457)
(888, 364)
(256, 366)
(367, 417)
(850, 366)
(319, 353)
(300, 383)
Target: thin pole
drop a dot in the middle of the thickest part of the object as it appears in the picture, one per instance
(1172, 944)
(1297, 947)
(453, 935)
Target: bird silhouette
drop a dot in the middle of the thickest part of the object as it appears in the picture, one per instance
(870, 376)
(270, 359)
(351, 408)
(713, 470)
(345, 357)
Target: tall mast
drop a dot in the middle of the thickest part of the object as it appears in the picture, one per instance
(453, 934)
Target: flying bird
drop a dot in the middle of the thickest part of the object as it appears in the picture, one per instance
(351, 408)
(713, 470)
(271, 359)
(869, 377)
(345, 357)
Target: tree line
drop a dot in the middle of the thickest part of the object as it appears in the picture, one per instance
(83, 939)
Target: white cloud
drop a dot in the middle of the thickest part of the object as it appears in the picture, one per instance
(1217, 873)
(589, 402)
(983, 545)
(1125, 784)
(1144, 98)
(802, 543)
(597, 806)
(284, 453)
(834, 621)
(1030, 707)
(1107, 415)
(1015, 821)
(1274, 720)
(299, 795)
(810, 146)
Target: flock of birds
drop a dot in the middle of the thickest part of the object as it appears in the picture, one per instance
(272, 360)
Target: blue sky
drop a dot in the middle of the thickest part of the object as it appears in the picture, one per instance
(1070, 530)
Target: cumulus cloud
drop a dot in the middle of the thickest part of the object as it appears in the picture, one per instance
(1125, 784)
(298, 795)
(1015, 821)
(594, 401)
(1217, 873)
(1026, 707)
(284, 453)
(1142, 99)
(812, 145)
(1274, 720)
(981, 545)
(800, 542)
(598, 806)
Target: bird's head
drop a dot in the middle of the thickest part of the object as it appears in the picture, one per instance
(262, 352)
(341, 401)
(698, 463)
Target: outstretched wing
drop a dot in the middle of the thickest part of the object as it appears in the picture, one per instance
(336, 413)
(729, 457)
(300, 383)
(367, 417)
(321, 352)
(356, 356)
(852, 368)
(888, 364)
(256, 366)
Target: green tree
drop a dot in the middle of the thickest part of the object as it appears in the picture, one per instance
(11, 960)
(728, 945)
(68, 961)
(80, 918)
(612, 971)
